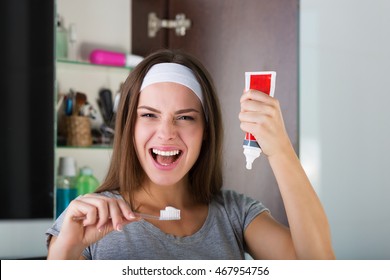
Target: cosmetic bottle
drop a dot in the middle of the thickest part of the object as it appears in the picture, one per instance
(86, 182)
(61, 39)
(111, 58)
(72, 36)
(66, 184)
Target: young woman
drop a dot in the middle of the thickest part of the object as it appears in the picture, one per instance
(168, 152)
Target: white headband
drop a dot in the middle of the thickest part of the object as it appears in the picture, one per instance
(175, 73)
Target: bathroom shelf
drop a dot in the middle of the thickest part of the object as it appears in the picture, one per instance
(96, 147)
(87, 63)
(88, 78)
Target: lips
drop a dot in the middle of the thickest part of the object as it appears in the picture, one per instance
(165, 157)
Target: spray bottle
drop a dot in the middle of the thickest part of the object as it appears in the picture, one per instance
(264, 82)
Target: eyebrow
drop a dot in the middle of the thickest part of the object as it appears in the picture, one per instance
(182, 111)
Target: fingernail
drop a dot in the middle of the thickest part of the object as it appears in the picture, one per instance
(119, 227)
(131, 215)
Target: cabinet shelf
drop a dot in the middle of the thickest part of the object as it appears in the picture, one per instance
(97, 158)
(87, 63)
(96, 147)
(89, 79)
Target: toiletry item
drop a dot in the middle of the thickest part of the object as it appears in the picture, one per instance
(80, 101)
(61, 39)
(168, 214)
(106, 105)
(111, 58)
(264, 82)
(72, 52)
(116, 102)
(117, 98)
(86, 182)
(68, 105)
(70, 101)
(65, 184)
(87, 110)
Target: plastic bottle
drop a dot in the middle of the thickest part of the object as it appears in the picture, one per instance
(61, 39)
(86, 182)
(105, 57)
(72, 36)
(66, 184)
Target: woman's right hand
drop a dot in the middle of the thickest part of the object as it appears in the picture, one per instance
(88, 219)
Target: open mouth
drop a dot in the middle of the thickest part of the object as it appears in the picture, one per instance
(165, 158)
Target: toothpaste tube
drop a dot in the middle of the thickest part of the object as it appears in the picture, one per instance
(264, 82)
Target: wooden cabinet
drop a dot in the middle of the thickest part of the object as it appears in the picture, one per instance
(231, 37)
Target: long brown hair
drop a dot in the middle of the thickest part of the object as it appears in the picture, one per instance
(125, 173)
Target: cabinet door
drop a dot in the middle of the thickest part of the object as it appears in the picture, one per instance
(27, 138)
(231, 37)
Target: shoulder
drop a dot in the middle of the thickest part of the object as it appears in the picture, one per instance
(111, 194)
(235, 199)
(238, 206)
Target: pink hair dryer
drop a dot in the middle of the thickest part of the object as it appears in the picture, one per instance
(110, 58)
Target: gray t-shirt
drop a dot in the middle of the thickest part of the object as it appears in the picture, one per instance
(220, 237)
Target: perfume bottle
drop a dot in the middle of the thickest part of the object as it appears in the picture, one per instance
(61, 39)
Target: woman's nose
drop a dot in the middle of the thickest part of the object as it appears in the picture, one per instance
(167, 130)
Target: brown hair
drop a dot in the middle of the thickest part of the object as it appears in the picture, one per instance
(125, 173)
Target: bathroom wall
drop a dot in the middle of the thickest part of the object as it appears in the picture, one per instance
(345, 119)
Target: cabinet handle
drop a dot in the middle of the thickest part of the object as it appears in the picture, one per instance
(180, 24)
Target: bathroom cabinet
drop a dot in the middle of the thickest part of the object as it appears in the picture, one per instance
(92, 31)
(87, 78)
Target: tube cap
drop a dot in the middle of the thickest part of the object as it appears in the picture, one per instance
(67, 166)
(251, 153)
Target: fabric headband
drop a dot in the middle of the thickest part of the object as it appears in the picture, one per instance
(175, 73)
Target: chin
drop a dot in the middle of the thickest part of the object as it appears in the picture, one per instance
(165, 181)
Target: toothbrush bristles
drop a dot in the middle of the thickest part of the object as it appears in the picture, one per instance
(170, 213)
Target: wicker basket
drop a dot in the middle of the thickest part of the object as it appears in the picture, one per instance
(78, 131)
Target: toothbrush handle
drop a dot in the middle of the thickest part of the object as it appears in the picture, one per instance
(147, 216)
(141, 215)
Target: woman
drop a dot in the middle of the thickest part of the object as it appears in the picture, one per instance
(167, 152)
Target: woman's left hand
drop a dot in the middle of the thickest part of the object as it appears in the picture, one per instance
(261, 116)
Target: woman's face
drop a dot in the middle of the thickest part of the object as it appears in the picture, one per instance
(168, 132)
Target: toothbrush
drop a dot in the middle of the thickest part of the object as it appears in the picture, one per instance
(169, 214)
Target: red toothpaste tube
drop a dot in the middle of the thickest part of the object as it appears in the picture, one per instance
(264, 82)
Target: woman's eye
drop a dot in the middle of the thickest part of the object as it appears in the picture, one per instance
(186, 118)
(148, 115)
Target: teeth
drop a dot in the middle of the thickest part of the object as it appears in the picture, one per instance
(166, 153)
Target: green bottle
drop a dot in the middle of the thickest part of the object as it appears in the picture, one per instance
(61, 39)
(86, 182)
